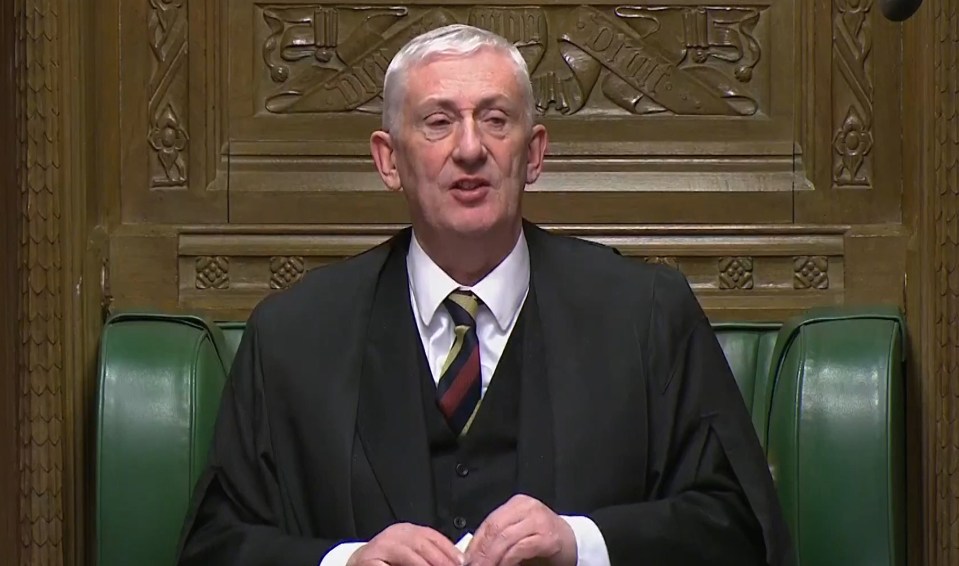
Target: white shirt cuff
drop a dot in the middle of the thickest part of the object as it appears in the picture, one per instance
(340, 554)
(590, 544)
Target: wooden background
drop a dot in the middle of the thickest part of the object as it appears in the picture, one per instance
(195, 155)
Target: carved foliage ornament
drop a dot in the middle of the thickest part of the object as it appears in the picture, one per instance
(169, 139)
(167, 32)
(852, 47)
(638, 59)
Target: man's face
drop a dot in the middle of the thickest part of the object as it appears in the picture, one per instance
(464, 149)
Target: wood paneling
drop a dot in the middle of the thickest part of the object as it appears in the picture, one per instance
(9, 295)
(931, 100)
(696, 103)
(738, 272)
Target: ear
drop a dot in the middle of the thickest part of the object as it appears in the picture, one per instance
(383, 152)
(536, 152)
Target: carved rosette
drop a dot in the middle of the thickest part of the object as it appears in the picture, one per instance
(41, 375)
(853, 99)
(168, 93)
(736, 272)
(811, 272)
(285, 270)
(212, 272)
(635, 59)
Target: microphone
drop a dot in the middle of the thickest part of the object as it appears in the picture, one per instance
(899, 10)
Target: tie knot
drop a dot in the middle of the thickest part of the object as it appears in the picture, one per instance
(462, 306)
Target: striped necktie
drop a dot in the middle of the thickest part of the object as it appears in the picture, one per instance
(458, 390)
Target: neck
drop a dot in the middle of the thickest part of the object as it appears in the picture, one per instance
(468, 259)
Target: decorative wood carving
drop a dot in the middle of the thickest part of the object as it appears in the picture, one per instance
(811, 272)
(643, 60)
(168, 93)
(853, 97)
(943, 421)
(285, 270)
(41, 310)
(735, 273)
(223, 271)
(213, 272)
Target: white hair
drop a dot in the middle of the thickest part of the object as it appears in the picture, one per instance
(455, 39)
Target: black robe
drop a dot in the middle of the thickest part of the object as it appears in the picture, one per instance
(648, 435)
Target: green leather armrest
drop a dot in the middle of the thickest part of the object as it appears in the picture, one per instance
(159, 386)
(835, 436)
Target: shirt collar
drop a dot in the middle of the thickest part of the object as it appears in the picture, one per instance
(502, 290)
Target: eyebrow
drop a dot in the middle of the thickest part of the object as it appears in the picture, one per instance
(484, 103)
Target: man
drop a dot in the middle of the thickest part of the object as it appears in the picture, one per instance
(476, 375)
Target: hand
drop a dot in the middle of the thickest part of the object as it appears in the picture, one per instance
(519, 530)
(404, 544)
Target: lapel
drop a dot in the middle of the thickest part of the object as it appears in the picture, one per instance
(586, 358)
(535, 446)
(390, 414)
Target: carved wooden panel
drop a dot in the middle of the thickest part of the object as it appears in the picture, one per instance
(170, 127)
(850, 134)
(738, 273)
(943, 421)
(696, 103)
(42, 499)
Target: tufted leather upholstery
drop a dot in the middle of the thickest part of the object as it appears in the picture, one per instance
(825, 391)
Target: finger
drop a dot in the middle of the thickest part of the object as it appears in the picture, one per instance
(528, 548)
(509, 513)
(495, 546)
(439, 550)
(401, 552)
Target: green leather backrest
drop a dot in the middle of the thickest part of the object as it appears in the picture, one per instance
(159, 388)
(836, 436)
(824, 391)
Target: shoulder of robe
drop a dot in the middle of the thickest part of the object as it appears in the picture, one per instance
(327, 293)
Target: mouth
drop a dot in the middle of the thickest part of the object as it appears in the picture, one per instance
(470, 191)
(469, 184)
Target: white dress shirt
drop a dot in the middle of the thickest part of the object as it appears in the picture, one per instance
(502, 292)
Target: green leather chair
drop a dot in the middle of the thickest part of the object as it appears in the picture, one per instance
(825, 391)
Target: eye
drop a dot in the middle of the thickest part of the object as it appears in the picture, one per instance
(496, 120)
(438, 120)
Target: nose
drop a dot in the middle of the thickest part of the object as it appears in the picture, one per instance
(470, 148)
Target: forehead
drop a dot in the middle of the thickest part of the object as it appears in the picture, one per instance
(464, 78)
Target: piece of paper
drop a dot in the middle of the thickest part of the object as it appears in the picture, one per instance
(464, 542)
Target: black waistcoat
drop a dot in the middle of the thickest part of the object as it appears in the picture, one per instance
(394, 379)
(475, 474)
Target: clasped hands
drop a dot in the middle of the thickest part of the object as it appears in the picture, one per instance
(521, 531)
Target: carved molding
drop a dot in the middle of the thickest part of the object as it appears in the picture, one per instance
(852, 93)
(224, 270)
(735, 273)
(943, 420)
(42, 357)
(811, 272)
(168, 93)
(635, 59)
